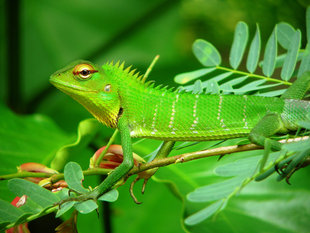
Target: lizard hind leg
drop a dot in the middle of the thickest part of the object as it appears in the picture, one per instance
(269, 125)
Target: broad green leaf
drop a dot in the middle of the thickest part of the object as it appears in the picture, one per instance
(206, 53)
(8, 212)
(32, 138)
(285, 33)
(189, 76)
(254, 52)
(291, 57)
(203, 214)
(270, 54)
(86, 207)
(239, 43)
(110, 196)
(37, 194)
(74, 177)
(305, 61)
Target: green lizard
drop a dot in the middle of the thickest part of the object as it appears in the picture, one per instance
(119, 98)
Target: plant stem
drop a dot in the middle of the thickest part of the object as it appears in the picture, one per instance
(254, 75)
(111, 140)
(158, 162)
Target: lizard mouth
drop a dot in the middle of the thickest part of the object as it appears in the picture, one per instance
(65, 86)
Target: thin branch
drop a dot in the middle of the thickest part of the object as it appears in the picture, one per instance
(158, 162)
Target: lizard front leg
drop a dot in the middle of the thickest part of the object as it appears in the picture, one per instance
(120, 171)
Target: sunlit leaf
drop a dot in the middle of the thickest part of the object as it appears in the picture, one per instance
(291, 57)
(239, 43)
(74, 176)
(254, 52)
(270, 54)
(189, 76)
(285, 33)
(206, 53)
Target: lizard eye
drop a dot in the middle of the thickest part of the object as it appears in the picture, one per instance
(84, 71)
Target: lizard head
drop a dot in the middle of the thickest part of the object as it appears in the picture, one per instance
(92, 87)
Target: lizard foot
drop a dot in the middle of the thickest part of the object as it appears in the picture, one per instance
(92, 195)
(145, 175)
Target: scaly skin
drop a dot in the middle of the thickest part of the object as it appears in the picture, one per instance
(119, 99)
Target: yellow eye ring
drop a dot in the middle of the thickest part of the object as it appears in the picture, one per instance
(84, 71)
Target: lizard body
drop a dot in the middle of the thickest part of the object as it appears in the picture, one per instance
(118, 98)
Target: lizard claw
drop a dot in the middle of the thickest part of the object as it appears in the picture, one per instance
(81, 198)
(142, 190)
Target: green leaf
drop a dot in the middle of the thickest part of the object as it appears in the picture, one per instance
(203, 214)
(239, 43)
(37, 194)
(189, 76)
(240, 167)
(285, 33)
(228, 86)
(212, 87)
(216, 78)
(291, 57)
(215, 191)
(270, 54)
(206, 53)
(197, 88)
(74, 177)
(8, 212)
(32, 138)
(86, 207)
(305, 61)
(64, 208)
(254, 52)
(110, 196)
(272, 93)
